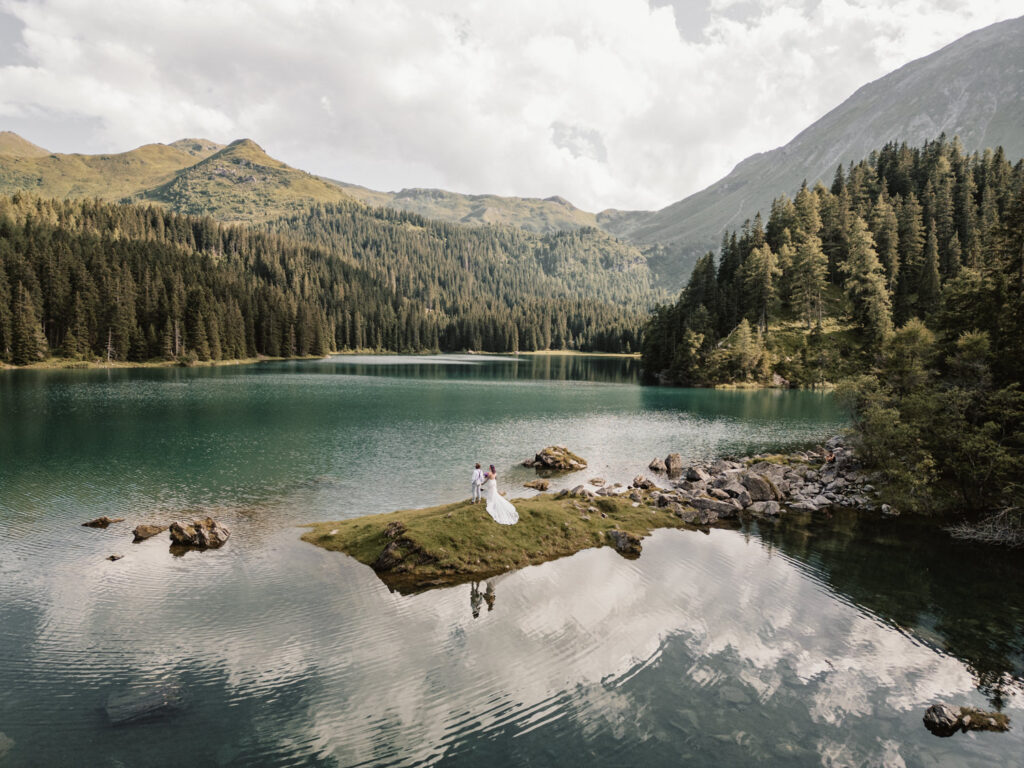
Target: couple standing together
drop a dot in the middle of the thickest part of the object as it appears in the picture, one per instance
(498, 507)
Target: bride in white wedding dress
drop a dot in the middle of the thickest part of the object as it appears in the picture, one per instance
(498, 507)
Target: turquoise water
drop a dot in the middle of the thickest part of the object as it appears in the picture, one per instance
(815, 642)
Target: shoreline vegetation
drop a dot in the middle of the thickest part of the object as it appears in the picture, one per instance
(418, 549)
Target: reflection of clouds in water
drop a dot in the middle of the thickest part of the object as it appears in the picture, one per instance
(398, 679)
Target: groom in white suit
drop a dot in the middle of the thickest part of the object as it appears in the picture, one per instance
(478, 480)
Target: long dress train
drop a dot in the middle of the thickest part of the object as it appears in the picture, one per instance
(498, 507)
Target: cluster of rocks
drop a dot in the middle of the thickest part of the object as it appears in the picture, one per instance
(765, 485)
(945, 720)
(556, 458)
(203, 533)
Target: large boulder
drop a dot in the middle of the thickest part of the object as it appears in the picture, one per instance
(697, 475)
(145, 531)
(942, 720)
(556, 457)
(674, 464)
(759, 488)
(724, 510)
(205, 533)
(626, 544)
(103, 522)
(540, 484)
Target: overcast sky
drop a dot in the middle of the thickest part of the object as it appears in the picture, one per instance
(609, 103)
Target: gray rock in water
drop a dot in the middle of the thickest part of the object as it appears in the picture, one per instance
(596, 481)
(687, 514)
(674, 463)
(539, 484)
(114, 558)
(135, 704)
(626, 544)
(205, 533)
(724, 510)
(657, 465)
(942, 720)
(556, 457)
(144, 531)
(821, 501)
(889, 511)
(103, 522)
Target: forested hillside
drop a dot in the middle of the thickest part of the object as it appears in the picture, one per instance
(908, 274)
(85, 279)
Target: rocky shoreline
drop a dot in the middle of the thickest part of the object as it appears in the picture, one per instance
(764, 485)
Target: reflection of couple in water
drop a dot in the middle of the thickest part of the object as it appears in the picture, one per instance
(476, 597)
(498, 507)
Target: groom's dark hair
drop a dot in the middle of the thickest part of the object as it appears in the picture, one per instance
(478, 466)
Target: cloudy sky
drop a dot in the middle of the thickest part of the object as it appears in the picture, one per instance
(609, 103)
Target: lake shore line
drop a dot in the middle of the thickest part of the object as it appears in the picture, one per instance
(412, 550)
(70, 364)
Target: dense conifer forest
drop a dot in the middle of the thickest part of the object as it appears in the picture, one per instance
(85, 279)
(905, 279)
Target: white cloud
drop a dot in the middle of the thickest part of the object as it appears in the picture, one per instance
(605, 103)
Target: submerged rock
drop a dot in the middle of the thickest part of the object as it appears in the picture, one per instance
(626, 544)
(103, 522)
(136, 704)
(540, 484)
(556, 457)
(205, 533)
(114, 558)
(144, 531)
(6, 744)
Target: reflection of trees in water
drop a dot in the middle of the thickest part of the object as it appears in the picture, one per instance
(476, 597)
(612, 370)
(963, 599)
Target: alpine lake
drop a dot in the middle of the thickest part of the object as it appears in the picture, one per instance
(818, 640)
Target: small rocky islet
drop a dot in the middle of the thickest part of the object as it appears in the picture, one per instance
(411, 550)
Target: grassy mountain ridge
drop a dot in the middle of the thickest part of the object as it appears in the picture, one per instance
(13, 145)
(542, 216)
(241, 182)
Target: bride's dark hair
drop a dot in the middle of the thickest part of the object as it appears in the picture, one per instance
(493, 469)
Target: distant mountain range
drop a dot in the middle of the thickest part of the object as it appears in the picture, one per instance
(973, 88)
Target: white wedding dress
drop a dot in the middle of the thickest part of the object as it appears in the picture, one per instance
(498, 507)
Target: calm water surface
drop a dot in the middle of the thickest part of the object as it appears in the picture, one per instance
(815, 642)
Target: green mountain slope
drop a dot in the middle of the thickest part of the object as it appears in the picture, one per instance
(542, 216)
(241, 182)
(107, 177)
(972, 88)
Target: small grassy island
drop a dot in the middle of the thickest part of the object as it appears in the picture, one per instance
(416, 549)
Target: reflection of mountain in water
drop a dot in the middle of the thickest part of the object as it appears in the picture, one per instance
(960, 598)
